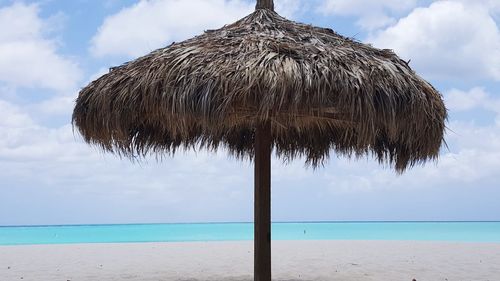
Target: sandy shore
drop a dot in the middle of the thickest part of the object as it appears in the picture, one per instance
(292, 260)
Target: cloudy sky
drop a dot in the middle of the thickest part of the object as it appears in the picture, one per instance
(49, 49)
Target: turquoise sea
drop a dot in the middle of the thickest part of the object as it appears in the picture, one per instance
(184, 232)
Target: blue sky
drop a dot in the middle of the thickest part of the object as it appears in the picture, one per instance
(49, 49)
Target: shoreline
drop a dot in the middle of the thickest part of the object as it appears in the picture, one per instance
(251, 241)
(292, 260)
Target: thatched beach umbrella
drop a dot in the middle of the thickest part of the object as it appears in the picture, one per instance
(260, 84)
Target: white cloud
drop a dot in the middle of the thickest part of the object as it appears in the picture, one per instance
(151, 24)
(475, 98)
(448, 39)
(289, 8)
(372, 14)
(12, 116)
(356, 7)
(458, 100)
(27, 57)
(492, 5)
(59, 105)
(22, 139)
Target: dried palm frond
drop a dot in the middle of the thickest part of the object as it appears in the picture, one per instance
(322, 92)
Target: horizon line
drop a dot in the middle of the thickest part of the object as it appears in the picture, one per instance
(251, 222)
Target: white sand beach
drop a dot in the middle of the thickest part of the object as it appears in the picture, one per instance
(292, 260)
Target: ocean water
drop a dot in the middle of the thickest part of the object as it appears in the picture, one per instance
(420, 231)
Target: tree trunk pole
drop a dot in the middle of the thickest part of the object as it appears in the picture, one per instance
(262, 203)
(265, 4)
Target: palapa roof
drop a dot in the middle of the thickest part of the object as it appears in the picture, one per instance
(323, 93)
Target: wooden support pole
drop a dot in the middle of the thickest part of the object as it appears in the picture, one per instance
(262, 203)
(265, 4)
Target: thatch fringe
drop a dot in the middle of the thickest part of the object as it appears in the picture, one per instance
(323, 93)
